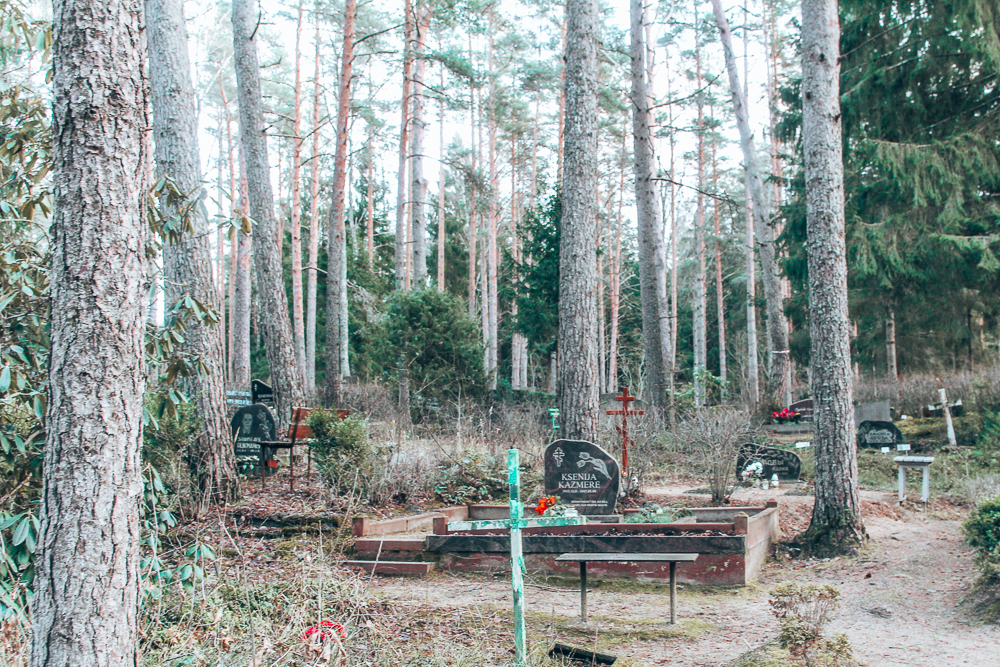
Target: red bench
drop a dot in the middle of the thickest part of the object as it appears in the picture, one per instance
(298, 433)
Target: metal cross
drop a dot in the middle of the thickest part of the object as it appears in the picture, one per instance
(515, 524)
(623, 429)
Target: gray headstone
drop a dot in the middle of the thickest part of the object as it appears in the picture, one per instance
(583, 476)
(785, 463)
(250, 426)
(876, 411)
(878, 434)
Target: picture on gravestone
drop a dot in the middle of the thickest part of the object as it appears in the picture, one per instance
(583, 476)
(878, 434)
(250, 426)
(786, 464)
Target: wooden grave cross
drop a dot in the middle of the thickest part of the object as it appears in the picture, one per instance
(515, 524)
(623, 429)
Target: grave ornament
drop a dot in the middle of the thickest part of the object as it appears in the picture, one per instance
(625, 411)
(583, 475)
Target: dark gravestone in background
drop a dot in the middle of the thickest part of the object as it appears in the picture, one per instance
(804, 408)
(252, 425)
(878, 434)
(876, 411)
(785, 463)
(262, 393)
(583, 476)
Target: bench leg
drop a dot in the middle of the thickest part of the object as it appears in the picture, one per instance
(673, 593)
(926, 490)
(291, 467)
(583, 592)
(902, 483)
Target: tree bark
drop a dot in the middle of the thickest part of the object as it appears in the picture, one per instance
(777, 327)
(242, 293)
(753, 372)
(86, 586)
(402, 246)
(491, 234)
(298, 318)
(699, 306)
(890, 344)
(336, 240)
(578, 390)
(720, 302)
(187, 265)
(615, 272)
(418, 128)
(836, 520)
(442, 235)
(273, 320)
(473, 203)
(652, 261)
(312, 280)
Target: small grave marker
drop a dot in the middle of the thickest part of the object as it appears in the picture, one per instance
(625, 411)
(515, 524)
(804, 408)
(901, 448)
(781, 462)
(886, 450)
(238, 398)
(583, 475)
(878, 434)
(262, 393)
(802, 445)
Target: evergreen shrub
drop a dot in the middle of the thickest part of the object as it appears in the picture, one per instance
(346, 458)
(475, 477)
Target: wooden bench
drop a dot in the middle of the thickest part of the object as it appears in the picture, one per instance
(583, 559)
(299, 433)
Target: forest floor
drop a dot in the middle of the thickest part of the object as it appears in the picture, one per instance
(902, 598)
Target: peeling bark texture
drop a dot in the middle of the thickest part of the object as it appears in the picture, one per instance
(298, 317)
(577, 368)
(652, 261)
(753, 372)
(86, 587)
(273, 316)
(777, 326)
(418, 128)
(836, 520)
(242, 295)
(402, 247)
(187, 265)
(336, 239)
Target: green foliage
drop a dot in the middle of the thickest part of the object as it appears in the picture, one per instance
(344, 454)
(804, 610)
(476, 477)
(657, 514)
(983, 532)
(430, 335)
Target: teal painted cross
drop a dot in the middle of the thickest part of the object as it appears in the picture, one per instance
(515, 524)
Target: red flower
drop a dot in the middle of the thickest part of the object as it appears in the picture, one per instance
(545, 503)
(334, 627)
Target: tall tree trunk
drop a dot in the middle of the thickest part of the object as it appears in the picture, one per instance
(418, 210)
(720, 303)
(836, 520)
(402, 247)
(601, 333)
(233, 194)
(312, 281)
(615, 278)
(777, 327)
(220, 260)
(242, 293)
(473, 228)
(561, 131)
(187, 264)
(491, 237)
(298, 321)
(699, 305)
(753, 373)
(578, 390)
(370, 201)
(86, 586)
(890, 344)
(442, 235)
(652, 262)
(273, 321)
(674, 322)
(336, 240)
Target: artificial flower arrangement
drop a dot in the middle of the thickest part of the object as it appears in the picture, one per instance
(551, 506)
(786, 415)
(753, 472)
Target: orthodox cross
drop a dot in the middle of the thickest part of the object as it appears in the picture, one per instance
(623, 429)
(515, 524)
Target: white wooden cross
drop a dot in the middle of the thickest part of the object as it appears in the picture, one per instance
(515, 524)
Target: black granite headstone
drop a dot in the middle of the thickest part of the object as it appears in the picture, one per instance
(250, 426)
(583, 476)
(262, 393)
(878, 434)
(785, 463)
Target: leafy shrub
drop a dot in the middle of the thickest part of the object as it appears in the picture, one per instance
(804, 611)
(656, 514)
(983, 532)
(473, 478)
(345, 456)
